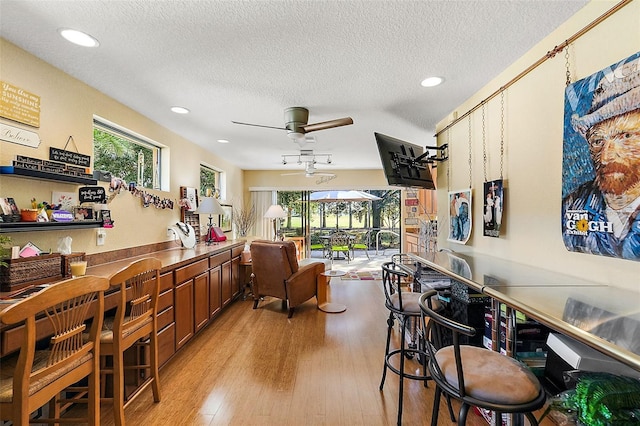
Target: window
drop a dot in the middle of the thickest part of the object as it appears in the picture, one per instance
(131, 157)
(209, 182)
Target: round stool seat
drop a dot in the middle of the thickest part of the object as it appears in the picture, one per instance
(481, 367)
(410, 304)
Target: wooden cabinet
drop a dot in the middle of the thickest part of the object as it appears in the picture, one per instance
(236, 283)
(225, 283)
(184, 313)
(188, 320)
(215, 291)
(201, 300)
(166, 319)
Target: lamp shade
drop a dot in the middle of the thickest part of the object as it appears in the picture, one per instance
(209, 205)
(275, 211)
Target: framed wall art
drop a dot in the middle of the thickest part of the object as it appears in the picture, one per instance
(225, 220)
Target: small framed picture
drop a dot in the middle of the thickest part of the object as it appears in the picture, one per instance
(83, 213)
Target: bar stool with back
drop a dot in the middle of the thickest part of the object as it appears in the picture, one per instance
(135, 323)
(472, 374)
(402, 305)
(34, 376)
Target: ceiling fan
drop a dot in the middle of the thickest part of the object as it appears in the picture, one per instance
(309, 159)
(295, 123)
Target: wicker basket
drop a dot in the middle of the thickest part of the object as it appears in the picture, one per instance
(66, 262)
(23, 272)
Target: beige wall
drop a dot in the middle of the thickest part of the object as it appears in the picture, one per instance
(67, 108)
(533, 149)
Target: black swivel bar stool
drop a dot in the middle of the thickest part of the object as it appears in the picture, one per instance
(488, 380)
(402, 305)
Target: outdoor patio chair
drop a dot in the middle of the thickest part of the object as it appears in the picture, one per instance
(340, 244)
(360, 242)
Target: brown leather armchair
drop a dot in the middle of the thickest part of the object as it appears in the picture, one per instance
(277, 274)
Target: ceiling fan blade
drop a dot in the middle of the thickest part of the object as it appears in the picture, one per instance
(291, 174)
(324, 174)
(327, 124)
(258, 125)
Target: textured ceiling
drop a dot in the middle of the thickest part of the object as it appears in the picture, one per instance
(249, 60)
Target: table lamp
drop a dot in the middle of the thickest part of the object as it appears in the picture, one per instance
(210, 206)
(275, 212)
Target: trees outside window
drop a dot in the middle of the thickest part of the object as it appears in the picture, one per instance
(125, 155)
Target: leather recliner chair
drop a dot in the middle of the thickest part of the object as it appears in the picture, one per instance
(277, 274)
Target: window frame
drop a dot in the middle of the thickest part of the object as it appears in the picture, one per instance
(159, 151)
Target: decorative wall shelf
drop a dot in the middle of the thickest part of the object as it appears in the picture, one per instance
(47, 226)
(37, 174)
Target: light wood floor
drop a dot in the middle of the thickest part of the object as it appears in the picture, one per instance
(256, 367)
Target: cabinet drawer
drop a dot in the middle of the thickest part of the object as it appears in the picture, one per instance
(165, 300)
(219, 259)
(166, 281)
(187, 272)
(165, 318)
(237, 251)
(166, 344)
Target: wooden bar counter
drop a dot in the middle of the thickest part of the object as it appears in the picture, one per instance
(195, 285)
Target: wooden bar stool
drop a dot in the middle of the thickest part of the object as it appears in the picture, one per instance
(34, 377)
(135, 323)
(476, 376)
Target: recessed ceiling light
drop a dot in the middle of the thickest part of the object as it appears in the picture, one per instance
(179, 110)
(431, 81)
(78, 37)
(223, 141)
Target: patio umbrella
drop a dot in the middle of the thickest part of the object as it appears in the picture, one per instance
(338, 196)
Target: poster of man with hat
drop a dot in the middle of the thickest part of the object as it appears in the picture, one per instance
(601, 162)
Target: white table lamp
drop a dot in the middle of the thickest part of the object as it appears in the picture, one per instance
(210, 206)
(275, 212)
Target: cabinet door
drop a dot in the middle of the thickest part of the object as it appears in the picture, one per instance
(227, 291)
(236, 282)
(215, 291)
(184, 312)
(201, 300)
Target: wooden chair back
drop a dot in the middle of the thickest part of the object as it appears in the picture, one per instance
(139, 285)
(40, 375)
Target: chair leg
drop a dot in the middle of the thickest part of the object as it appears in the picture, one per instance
(255, 302)
(153, 348)
(436, 406)
(93, 397)
(401, 387)
(452, 416)
(462, 415)
(118, 387)
(290, 312)
(386, 351)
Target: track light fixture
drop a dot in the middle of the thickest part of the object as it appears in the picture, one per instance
(307, 156)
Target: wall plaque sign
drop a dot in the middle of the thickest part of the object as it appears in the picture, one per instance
(21, 137)
(69, 157)
(92, 194)
(19, 105)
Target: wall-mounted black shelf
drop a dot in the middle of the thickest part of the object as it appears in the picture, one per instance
(47, 226)
(37, 174)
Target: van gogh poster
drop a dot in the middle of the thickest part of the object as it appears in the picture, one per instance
(601, 162)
